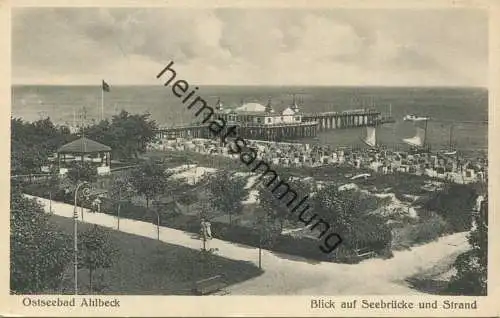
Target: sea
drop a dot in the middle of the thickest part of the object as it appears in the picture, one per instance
(466, 109)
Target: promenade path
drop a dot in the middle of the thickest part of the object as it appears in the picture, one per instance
(291, 275)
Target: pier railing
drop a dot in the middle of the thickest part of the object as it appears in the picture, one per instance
(257, 125)
(252, 125)
(190, 126)
(343, 113)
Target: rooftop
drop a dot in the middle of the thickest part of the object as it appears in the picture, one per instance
(251, 107)
(259, 109)
(83, 145)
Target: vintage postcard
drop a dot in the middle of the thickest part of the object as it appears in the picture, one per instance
(260, 158)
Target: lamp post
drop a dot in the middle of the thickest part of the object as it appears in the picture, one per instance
(260, 247)
(157, 225)
(122, 186)
(204, 235)
(50, 202)
(119, 205)
(75, 236)
(155, 210)
(260, 235)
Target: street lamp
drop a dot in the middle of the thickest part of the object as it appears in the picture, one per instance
(119, 205)
(157, 225)
(86, 192)
(260, 247)
(157, 204)
(123, 185)
(50, 201)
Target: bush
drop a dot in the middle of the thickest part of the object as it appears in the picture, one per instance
(454, 205)
(346, 255)
(427, 229)
(43, 190)
(39, 252)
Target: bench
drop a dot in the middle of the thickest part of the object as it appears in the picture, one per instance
(209, 285)
(365, 253)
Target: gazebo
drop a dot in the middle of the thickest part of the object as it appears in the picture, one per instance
(83, 149)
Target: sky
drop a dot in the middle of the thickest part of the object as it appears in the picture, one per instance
(260, 46)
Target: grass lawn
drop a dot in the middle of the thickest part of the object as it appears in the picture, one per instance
(148, 267)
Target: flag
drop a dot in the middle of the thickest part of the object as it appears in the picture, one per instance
(105, 86)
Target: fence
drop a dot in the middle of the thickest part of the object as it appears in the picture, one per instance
(31, 178)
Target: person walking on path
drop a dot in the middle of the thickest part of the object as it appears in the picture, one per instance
(206, 232)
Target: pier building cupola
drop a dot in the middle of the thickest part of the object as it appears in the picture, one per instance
(294, 106)
(269, 106)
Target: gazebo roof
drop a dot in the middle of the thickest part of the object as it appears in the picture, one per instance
(83, 145)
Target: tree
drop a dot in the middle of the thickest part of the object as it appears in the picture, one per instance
(39, 253)
(33, 143)
(268, 233)
(95, 251)
(472, 266)
(26, 159)
(272, 209)
(265, 223)
(128, 135)
(51, 136)
(349, 213)
(207, 260)
(454, 204)
(275, 208)
(227, 192)
(102, 132)
(26, 155)
(82, 172)
(150, 180)
(188, 198)
(120, 188)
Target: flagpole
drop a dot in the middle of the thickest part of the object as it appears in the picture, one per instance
(84, 114)
(102, 102)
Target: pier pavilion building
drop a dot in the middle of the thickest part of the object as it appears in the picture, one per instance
(257, 114)
(252, 121)
(256, 121)
(263, 122)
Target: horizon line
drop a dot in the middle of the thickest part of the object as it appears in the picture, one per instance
(267, 85)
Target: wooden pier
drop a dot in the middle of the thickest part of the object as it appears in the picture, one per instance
(309, 127)
(346, 119)
(247, 131)
(191, 131)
